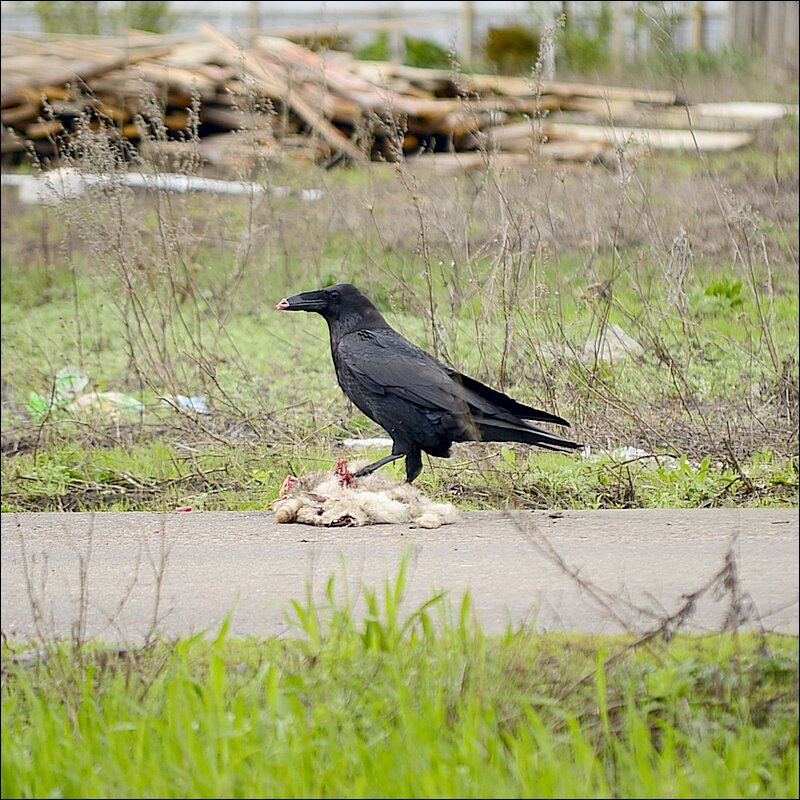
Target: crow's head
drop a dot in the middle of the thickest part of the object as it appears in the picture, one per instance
(333, 302)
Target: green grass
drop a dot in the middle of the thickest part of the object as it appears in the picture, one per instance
(395, 704)
(159, 476)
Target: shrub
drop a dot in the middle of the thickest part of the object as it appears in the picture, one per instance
(418, 52)
(581, 49)
(513, 48)
(425, 53)
(376, 50)
(332, 42)
(704, 63)
(95, 18)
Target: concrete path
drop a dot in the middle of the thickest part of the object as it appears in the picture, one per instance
(601, 571)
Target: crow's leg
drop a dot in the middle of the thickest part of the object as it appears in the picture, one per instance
(413, 464)
(370, 468)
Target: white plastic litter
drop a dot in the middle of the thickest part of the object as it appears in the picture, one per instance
(65, 183)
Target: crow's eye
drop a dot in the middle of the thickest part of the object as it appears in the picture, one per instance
(334, 295)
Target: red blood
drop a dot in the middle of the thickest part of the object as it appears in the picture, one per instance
(287, 487)
(346, 478)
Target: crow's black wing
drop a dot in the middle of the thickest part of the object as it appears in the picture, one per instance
(386, 364)
(386, 367)
(501, 400)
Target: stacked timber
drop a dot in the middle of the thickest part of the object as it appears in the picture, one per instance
(275, 98)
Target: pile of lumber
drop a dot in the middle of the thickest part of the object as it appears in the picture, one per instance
(275, 98)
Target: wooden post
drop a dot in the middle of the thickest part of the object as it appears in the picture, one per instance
(617, 36)
(791, 51)
(397, 49)
(467, 31)
(253, 18)
(760, 16)
(698, 22)
(548, 53)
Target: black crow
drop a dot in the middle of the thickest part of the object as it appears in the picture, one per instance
(422, 403)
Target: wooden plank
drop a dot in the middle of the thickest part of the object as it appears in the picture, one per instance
(295, 98)
(455, 163)
(650, 138)
(757, 112)
(515, 86)
(638, 115)
(11, 142)
(313, 68)
(55, 92)
(43, 129)
(513, 136)
(168, 75)
(21, 113)
(238, 148)
(177, 120)
(85, 71)
(229, 118)
(116, 113)
(25, 94)
(521, 135)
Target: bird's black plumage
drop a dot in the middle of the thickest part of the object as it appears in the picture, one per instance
(424, 405)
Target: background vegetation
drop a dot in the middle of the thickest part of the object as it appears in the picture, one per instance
(518, 278)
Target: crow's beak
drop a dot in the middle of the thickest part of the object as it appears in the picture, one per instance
(305, 301)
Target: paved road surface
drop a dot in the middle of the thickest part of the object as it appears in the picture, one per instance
(628, 568)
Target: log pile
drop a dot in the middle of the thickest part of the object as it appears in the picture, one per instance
(275, 98)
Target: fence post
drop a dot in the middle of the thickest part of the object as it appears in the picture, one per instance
(698, 22)
(617, 36)
(467, 30)
(253, 20)
(396, 42)
(791, 29)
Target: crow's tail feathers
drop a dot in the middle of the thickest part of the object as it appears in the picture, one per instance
(503, 401)
(497, 430)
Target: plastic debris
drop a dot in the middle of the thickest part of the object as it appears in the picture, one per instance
(65, 183)
(65, 398)
(196, 404)
(106, 402)
(67, 383)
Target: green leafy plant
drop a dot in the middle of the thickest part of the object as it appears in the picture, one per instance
(584, 47)
(512, 49)
(325, 42)
(145, 15)
(426, 54)
(61, 16)
(418, 52)
(376, 50)
(727, 290)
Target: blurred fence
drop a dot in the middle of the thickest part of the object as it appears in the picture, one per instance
(770, 26)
